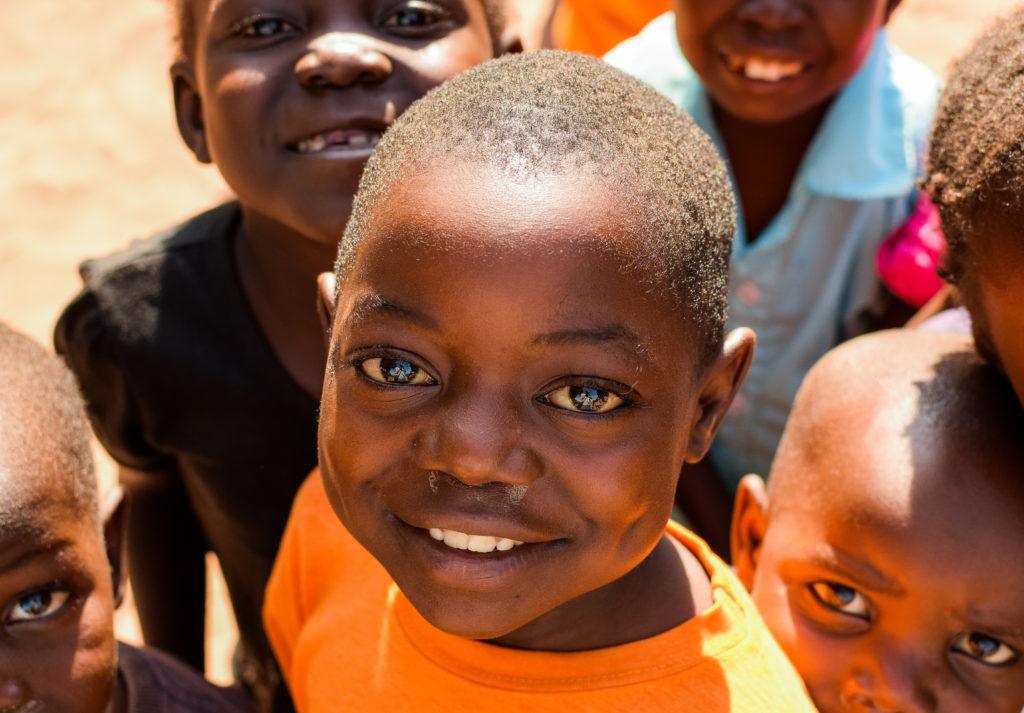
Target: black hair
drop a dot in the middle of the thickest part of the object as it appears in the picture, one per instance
(976, 160)
(41, 409)
(563, 113)
(184, 24)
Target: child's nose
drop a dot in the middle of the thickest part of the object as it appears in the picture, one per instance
(13, 693)
(895, 681)
(340, 60)
(773, 15)
(479, 440)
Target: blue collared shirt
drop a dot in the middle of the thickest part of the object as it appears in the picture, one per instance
(809, 279)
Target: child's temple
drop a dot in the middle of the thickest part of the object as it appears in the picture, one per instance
(541, 355)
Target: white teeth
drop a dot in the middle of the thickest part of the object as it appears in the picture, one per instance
(482, 544)
(337, 137)
(765, 70)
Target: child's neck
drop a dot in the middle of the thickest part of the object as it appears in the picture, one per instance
(667, 589)
(765, 159)
(278, 268)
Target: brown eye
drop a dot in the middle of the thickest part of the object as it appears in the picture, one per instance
(37, 605)
(840, 598)
(984, 649)
(583, 399)
(415, 15)
(264, 27)
(386, 370)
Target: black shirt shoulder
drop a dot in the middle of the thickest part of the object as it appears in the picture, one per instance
(157, 683)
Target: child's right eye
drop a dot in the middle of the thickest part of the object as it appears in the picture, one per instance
(258, 27)
(841, 598)
(37, 605)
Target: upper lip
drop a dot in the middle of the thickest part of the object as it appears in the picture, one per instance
(364, 123)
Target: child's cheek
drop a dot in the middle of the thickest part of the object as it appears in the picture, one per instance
(94, 665)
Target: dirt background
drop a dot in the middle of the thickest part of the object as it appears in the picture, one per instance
(90, 158)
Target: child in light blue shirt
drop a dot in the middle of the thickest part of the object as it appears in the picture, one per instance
(823, 123)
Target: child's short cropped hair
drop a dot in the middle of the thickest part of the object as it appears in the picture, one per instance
(42, 409)
(976, 160)
(554, 112)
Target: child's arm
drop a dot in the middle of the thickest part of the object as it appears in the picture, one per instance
(166, 564)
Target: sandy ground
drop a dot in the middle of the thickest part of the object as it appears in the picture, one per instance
(90, 158)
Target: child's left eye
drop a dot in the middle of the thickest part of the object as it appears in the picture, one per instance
(38, 605)
(984, 649)
(416, 14)
(583, 399)
(387, 370)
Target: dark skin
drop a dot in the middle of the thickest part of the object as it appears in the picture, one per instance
(60, 582)
(884, 557)
(561, 424)
(288, 99)
(768, 124)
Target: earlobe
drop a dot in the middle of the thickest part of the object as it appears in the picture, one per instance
(188, 110)
(749, 524)
(326, 297)
(114, 516)
(722, 381)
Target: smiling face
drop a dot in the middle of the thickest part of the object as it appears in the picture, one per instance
(508, 407)
(289, 97)
(766, 61)
(887, 560)
(57, 647)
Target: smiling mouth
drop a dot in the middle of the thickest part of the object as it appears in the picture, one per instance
(761, 69)
(343, 139)
(482, 544)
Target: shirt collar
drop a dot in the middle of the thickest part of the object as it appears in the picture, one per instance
(865, 149)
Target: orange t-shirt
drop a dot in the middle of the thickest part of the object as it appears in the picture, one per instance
(595, 26)
(348, 640)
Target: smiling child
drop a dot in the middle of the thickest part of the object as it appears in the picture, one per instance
(976, 178)
(527, 345)
(199, 351)
(60, 565)
(886, 554)
(823, 124)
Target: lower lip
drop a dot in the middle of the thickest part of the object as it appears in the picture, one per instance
(472, 571)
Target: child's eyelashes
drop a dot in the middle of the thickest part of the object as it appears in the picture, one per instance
(36, 605)
(840, 598)
(984, 649)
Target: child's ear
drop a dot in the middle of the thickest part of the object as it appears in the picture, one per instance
(749, 523)
(722, 381)
(325, 304)
(114, 516)
(188, 110)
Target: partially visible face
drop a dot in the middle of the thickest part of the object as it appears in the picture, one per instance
(891, 596)
(289, 97)
(767, 61)
(57, 648)
(996, 294)
(510, 406)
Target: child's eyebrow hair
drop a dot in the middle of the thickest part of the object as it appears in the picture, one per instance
(598, 334)
(843, 563)
(31, 553)
(368, 305)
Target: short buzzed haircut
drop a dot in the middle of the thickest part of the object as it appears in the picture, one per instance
(184, 24)
(976, 159)
(42, 412)
(552, 112)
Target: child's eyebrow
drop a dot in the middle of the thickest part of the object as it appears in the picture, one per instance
(854, 568)
(27, 555)
(599, 334)
(372, 304)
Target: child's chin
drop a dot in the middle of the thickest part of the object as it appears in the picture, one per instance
(469, 620)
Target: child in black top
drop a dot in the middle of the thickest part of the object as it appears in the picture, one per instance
(199, 351)
(60, 566)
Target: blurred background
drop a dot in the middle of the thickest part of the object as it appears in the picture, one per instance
(90, 159)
